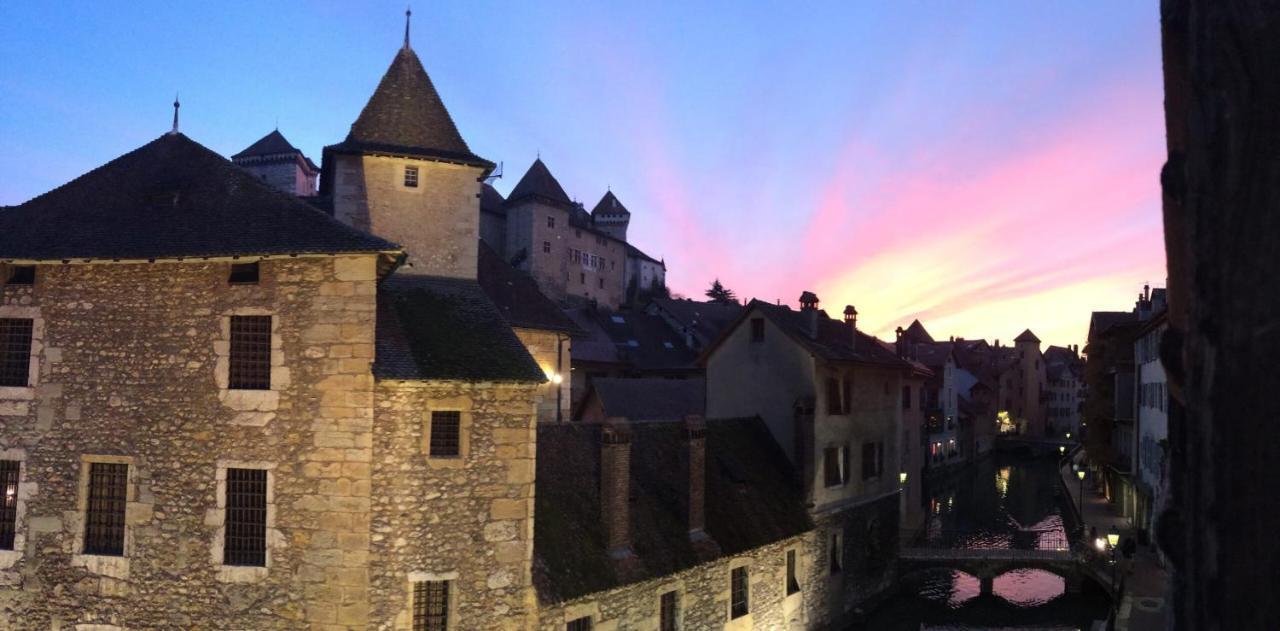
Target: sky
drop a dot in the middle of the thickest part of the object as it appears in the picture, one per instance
(985, 167)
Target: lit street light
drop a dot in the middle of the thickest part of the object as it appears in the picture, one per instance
(1062, 450)
(1113, 538)
(1080, 474)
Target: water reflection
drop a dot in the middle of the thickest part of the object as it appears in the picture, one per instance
(996, 503)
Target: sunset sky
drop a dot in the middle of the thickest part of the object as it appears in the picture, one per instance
(985, 168)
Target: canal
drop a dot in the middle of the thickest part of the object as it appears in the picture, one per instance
(1000, 501)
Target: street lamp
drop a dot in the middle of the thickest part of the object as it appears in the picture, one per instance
(1080, 474)
(902, 477)
(1062, 450)
(1068, 435)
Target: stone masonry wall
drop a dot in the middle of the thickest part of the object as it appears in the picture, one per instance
(467, 519)
(131, 368)
(437, 222)
(551, 351)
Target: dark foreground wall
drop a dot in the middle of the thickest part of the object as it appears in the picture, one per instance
(1222, 233)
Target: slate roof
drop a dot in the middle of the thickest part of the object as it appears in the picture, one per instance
(539, 184)
(405, 116)
(595, 345)
(833, 341)
(751, 500)
(650, 399)
(172, 198)
(272, 145)
(491, 201)
(1027, 336)
(609, 205)
(432, 327)
(933, 355)
(705, 319)
(917, 332)
(517, 296)
(643, 341)
(636, 253)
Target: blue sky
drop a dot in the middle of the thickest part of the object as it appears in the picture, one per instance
(987, 166)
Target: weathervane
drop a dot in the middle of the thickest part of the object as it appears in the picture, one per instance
(407, 14)
(176, 105)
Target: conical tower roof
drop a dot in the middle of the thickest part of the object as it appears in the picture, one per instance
(609, 205)
(1027, 336)
(917, 332)
(405, 116)
(540, 184)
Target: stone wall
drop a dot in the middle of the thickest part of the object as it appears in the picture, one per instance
(282, 175)
(131, 368)
(551, 351)
(437, 222)
(556, 274)
(468, 519)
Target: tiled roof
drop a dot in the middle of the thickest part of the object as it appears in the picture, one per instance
(446, 328)
(172, 198)
(405, 116)
(273, 145)
(1027, 336)
(643, 341)
(651, 399)
(595, 345)
(751, 500)
(491, 200)
(833, 341)
(538, 183)
(705, 319)
(517, 296)
(609, 205)
(917, 332)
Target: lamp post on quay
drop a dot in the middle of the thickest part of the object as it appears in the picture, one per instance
(1113, 539)
(1080, 474)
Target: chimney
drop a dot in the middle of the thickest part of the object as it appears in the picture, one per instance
(809, 306)
(695, 432)
(997, 344)
(615, 486)
(900, 343)
(851, 317)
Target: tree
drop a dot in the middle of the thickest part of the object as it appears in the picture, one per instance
(718, 293)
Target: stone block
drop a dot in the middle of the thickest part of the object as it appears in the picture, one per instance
(508, 509)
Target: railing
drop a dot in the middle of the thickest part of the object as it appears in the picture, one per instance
(972, 544)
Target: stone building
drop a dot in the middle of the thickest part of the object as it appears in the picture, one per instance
(1064, 381)
(575, 257)
(281, 165)
(830, 396)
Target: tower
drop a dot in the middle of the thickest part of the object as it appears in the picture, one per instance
(611, 217)
(274, 160)
(1032, 370)
(405, 174)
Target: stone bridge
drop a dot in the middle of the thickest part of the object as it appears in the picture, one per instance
(986, 564)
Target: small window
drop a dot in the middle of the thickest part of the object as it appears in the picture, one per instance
(551, 221)
(836, 553)
(546, 247)
(411, 177)
(835, 465)
(738, 605)
(446, 433)
(431, 606)
(793, 583)
(21, 275)
(667, 611)
(579, 624)
(757, 329)
(250, 361)
(244, 274)
(104, 512)
(15, 351)
(8, 503)
(245, 542)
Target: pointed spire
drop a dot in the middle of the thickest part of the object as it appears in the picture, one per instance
(407, 14)
(176, 105)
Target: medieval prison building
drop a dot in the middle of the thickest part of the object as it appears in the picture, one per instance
(226, 406)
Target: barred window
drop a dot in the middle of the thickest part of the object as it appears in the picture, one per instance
(738, 606)
(8, 503)
(411, 177)
(667, 606)
(15, 351)
(431, 606)
(244, 273)
(245, 541)
(250, 353)
(793, 583)
(579, 624)
(446, 433)
(104, 514)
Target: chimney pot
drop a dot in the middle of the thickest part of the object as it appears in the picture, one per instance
(696, 435)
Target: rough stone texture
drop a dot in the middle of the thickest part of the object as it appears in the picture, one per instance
(1221, 192)
(128, 372)
(283, 174)
(551, 350)
(437, 222)
(556, 274)
(471, 516)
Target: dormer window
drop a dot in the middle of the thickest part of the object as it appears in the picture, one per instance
(244, 274)
(21, 275)
(411, 177)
